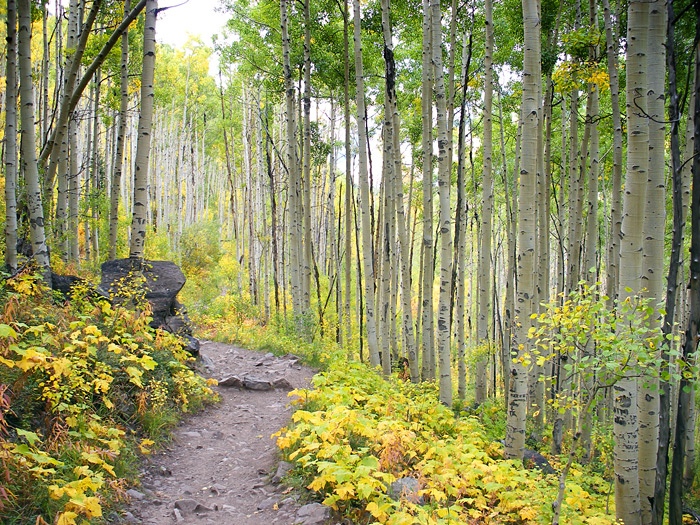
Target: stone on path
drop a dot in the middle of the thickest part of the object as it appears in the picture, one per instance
(312, 514)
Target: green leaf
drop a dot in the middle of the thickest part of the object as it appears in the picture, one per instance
(7, 331)
(29, 436)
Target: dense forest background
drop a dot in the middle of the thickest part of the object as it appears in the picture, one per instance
(501, 198)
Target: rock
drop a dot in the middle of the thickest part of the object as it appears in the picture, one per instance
(206, 361)
(64, 283)
(254, 383)
(191, 344)
(283, 469)
(233, 381)
(135, 494)
(313, 514)
(164, 280)
(191, 506)
(282, 383)
(533, 459)
(267, 504)
(186, 506)
(267, 359)
(407, 489)
(130, 518)
(178, 516)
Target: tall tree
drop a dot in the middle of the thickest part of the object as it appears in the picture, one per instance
(517, 397)
(11, 140)
(626, 428)
(653, 235)
(428, 262)
(37, 234)
(121, 139)
(367, 244)
(143, 145)
(484, 262)
(444, 169)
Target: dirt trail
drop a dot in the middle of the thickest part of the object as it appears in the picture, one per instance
(220, 465)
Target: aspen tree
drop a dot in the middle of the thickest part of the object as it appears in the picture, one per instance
(143, 146)
(613, 249)
(517, 398)
(444, 167)
(37, 235)
(367, 249)
(295, 242)
(121, 138)
(11, 139)
(305, 204)
(653, 235)
(484, 261)
(428, 314)
(348, 177)
(626, 427)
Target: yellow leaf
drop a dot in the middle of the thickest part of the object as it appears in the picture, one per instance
(66, 518)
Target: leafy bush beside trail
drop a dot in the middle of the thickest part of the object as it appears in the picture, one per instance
(356, 433)
(84, 388)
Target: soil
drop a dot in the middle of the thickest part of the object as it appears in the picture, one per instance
(222, 463)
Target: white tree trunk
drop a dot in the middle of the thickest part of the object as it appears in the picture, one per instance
(143, 147)
(367, 245)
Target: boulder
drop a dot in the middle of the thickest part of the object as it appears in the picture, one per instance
(313, 514)
(64, 283)
(163, 281)
(406, 489)
(533, 459)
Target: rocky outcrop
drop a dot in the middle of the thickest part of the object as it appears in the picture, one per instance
(162, 281)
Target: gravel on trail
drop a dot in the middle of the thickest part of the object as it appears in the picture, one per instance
(222, 465)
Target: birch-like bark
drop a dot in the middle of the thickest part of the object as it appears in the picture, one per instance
(484, 261)
(306, 156)
(367, 255)
(348, 178)
(37, 235)
(653, 235)
(445, 231)
(11, 140)
(517, 399)
(143, 145)
(295, 252)
(428, 261)
(121, 138)
(626, 427)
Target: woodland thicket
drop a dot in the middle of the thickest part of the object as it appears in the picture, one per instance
(499, 203)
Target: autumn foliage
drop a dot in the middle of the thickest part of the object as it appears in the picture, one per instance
(85, 387)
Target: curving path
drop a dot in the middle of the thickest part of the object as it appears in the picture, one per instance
(221, 463)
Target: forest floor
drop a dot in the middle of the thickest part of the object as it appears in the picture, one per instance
(222, 465)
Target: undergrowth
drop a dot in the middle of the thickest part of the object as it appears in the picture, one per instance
(85, 387)
(356, 433)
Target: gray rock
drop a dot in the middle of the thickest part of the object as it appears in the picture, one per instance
(406, 489)
(282, 470)
(282, 383)
(130, 518)
(207, 361)
(135, 494)
(533, 459)
(186, 506)
(191, 506)
(255, 383)
(267, 504)
(313, 514)
(233, 381)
